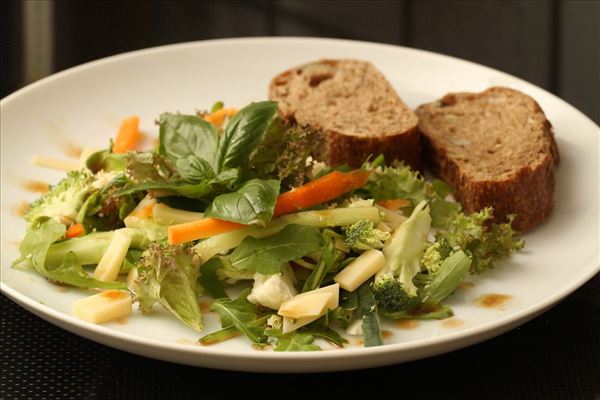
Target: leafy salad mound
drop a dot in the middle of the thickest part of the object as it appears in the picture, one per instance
(241, 201)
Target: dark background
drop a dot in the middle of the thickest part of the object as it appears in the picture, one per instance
(555, 45)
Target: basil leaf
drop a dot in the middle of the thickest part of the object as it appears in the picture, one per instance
(267, 255)
(243, 134)
(209, 280)
(182, 136)
(241, 314)
(251, 204)
(194, 169)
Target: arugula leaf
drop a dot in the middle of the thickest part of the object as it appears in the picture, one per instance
(423, 311)
(267, 255)
(240, 313)
(252, 204)
(43, 232)
(209, 280)
(330, 257)
(182, 136)
(229, 332)
(370, 319)
(243, 134)
(71, 272)
(297, 342)
(168, 275)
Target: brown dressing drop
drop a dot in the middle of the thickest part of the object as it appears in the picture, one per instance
(35, 186)
(466, 285)
(68, 146)
(407, 323)
(425, 308)
(452, 323)
(360, 342)
(122, 321)
(386, 334)
(19, 210)
(493, 300)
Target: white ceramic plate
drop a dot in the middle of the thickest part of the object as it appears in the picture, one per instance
(86, 103)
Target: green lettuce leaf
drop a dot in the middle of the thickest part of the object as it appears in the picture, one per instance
(168, 275)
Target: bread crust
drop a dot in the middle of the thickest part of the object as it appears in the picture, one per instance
(340, 148)
(527, 192)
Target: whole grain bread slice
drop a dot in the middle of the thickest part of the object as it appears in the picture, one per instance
(353, 106)
(496, 148)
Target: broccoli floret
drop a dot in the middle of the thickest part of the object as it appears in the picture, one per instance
(390, 293)
(64, 199)
(393, 287)
(435, 253)
(362, 235)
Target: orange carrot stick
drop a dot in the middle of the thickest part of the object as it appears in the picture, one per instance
(320, 190)
(218, 117)
(128, 135)
(194, 230)
(394, 204)
(75, 230)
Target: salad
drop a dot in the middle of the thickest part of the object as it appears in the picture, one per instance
(235, 200)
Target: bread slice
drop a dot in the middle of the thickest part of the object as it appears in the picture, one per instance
(496, 148)
(355, 108)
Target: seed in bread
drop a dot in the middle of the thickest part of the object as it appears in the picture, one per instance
(355, 108)
(497, 149)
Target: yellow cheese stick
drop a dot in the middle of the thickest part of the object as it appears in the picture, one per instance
(360, 270)
(102, 307)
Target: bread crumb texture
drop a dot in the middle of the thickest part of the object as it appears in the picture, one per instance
(496, 148)
(355, 107)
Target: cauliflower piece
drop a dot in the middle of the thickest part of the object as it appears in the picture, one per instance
(272, 290)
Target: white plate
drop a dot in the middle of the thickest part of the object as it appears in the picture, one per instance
(86, 103)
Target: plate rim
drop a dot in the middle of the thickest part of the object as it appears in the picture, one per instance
(470, 334)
